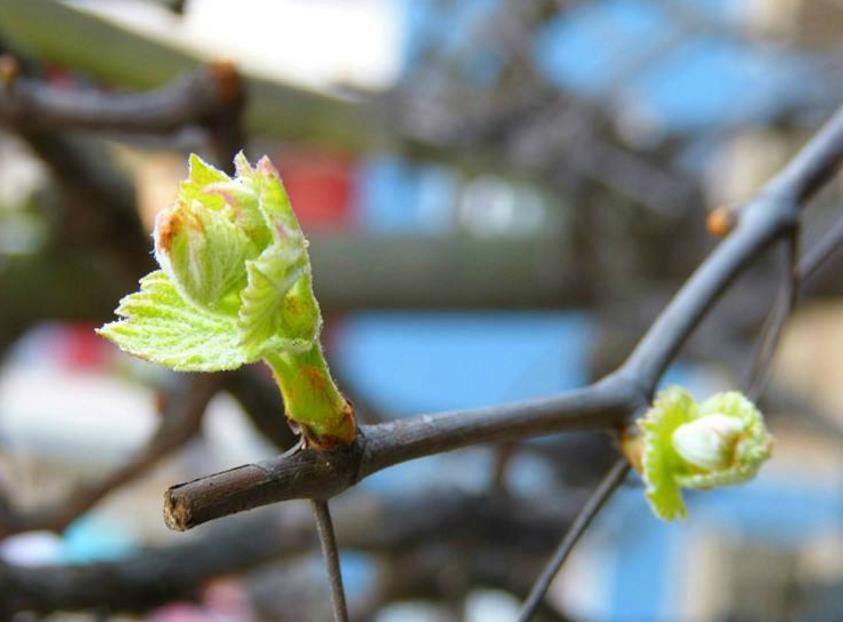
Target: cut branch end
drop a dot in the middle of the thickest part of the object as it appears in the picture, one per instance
(300, 473)
(176, 512)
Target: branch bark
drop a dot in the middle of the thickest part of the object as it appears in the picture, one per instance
(318, 474)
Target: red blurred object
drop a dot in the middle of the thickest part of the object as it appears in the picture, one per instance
(60, 77)
(321, 187)
(83, 349)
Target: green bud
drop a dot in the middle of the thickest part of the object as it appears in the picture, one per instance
(708, 442)
(235, 287)
(685, 445)
(204, 252)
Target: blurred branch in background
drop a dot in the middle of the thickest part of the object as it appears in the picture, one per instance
(529, 134)
(29, 104)
(180, 419)
(41, 28)
(397, 527)
(536, 273)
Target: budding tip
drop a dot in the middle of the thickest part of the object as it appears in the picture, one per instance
(167, 225)
(266, 167)
(242, 166)
(721, 221)
(708, 442)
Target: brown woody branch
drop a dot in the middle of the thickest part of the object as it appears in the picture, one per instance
(309, 473)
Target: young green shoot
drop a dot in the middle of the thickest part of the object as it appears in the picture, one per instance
(235, 288)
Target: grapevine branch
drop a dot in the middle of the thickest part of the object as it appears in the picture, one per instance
(319, 474)
(771, 216)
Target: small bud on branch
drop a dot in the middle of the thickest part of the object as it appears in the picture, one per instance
(681, 444)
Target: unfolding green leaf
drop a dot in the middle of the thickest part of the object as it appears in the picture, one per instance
(160, 326)
(200, 175)
(672, 408)
(275, 205)
(270, 279)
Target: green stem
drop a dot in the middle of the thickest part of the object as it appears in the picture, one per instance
(311, 398)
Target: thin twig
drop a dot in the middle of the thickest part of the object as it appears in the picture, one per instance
(601, 494)
(502, 459)
(798, 273)
(774, 324)
(827, 246)
(330, 551)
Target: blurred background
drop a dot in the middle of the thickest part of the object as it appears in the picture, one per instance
(500, 197)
